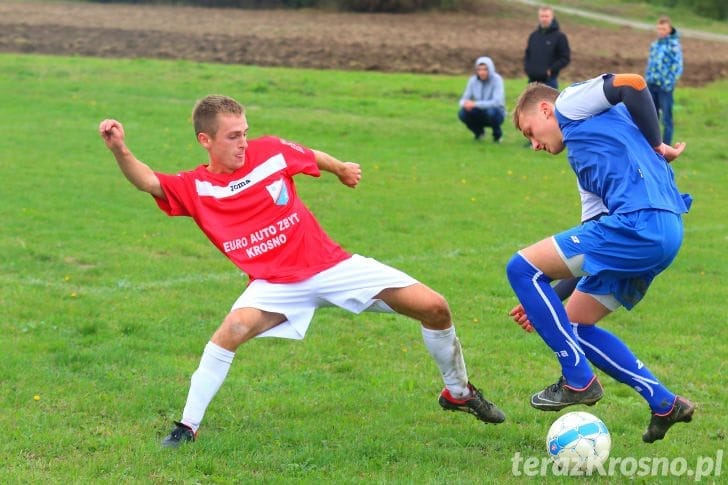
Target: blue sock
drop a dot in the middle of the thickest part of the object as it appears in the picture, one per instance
(611, 355)
(548, 317)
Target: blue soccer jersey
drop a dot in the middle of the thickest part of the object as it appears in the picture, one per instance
(610, 156)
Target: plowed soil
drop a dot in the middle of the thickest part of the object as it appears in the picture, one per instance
(421, 43)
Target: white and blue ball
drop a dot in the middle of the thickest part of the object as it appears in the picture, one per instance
(578, 441)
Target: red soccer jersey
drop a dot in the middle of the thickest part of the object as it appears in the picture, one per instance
(254, 215)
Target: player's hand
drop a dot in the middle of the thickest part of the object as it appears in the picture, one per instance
(350, 174)
(112, 132)
(518, 314)
(671, 152)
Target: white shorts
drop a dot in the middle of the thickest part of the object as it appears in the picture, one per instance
(351, 285)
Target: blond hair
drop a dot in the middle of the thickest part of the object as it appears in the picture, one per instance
(529, 99)
(664, 19)
(204, 114)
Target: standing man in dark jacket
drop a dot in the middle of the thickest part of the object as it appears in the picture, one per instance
(547, 52)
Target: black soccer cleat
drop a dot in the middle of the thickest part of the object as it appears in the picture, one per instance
(474, 404)
(681, 412)
(180, 434)
(560, 395)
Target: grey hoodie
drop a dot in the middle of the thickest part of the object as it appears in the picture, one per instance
(489, 93)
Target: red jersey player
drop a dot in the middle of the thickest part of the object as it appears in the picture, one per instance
(245, 201)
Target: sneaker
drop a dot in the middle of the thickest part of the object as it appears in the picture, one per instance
(498, 139)
(180, 434)
(681, 411)
(474, 404)
(479, 137)
(560, 395)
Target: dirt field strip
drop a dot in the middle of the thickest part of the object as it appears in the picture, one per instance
(442, 43)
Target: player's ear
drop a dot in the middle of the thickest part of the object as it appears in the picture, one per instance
(546, 108)
(203, 139)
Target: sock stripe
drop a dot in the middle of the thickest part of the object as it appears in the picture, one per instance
(640, 379)
(578, 352)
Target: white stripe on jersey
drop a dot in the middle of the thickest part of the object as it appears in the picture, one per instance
(583, 100)
(274, 164)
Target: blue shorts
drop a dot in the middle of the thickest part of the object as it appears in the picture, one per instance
(620, 254)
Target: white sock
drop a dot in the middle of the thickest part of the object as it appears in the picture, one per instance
(444, 347)
(205, 382)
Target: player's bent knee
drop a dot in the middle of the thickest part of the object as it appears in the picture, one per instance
(441, 309)
(238, 327)
(438, 311)
(517, 267)
(419, 302)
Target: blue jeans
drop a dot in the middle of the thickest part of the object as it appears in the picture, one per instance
(553, 81)
(478, 119)
(663, 104)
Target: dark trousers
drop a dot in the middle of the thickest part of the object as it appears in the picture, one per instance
(553, 81)
(478, 119)
(663, 104)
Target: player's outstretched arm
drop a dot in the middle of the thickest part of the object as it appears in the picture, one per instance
(136, 171)
(631, 89)
(349, 173)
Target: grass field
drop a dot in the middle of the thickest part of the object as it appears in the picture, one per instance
(107, 304)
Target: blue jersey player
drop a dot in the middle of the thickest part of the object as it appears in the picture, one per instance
(610, 128)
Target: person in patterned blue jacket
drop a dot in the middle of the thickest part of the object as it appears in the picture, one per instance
(664, 68)
(611, 131)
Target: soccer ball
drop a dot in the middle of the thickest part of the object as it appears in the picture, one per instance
(578, 441)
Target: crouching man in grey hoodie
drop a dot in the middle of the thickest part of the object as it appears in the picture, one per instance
(483, 104)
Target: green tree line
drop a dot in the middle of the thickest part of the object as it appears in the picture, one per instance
(714, 9)
(388, 6)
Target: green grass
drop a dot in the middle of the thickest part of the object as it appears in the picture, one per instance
(107, 303)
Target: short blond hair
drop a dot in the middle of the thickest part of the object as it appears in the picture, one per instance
(530, 97)
(204, 114)
(664, 19)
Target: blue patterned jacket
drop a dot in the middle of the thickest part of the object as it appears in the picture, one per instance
(665, 64)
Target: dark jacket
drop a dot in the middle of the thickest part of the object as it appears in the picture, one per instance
(547, 49)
